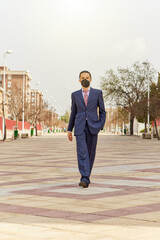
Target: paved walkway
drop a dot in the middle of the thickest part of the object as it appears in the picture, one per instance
(40, 198)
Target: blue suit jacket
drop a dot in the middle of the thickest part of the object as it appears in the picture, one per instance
(80, 113)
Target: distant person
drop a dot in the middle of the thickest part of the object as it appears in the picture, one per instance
(125, 130)
(86, 123)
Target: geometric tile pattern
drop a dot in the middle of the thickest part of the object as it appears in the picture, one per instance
(40, 197)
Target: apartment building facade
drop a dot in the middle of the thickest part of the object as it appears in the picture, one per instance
(36, 97)
(16, 81)
(1, 103)
(36, 103)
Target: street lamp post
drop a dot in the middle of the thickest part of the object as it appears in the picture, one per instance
(45, 93)
(148, 105)
(52, 120)
(23, 105)
(148, 102)
(4, 94)
(55, 107)
(23, 100)
(51, 114)
(35, 97)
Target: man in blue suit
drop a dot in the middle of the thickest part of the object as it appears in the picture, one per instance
(87, 121)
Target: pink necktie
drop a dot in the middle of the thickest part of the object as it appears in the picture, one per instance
(85, 96)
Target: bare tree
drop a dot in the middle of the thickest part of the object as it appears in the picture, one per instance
(142, 110)
(155, 103)
(15, 104)
(120, 116)
(126, 87)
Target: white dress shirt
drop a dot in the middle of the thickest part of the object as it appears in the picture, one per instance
(87, 93)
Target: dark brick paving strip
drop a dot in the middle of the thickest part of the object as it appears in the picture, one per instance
(85, 217)
(126, 178)
(73, 177)
(32, 181)
(123, 192)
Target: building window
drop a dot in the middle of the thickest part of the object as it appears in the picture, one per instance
(9, 116)
(9, 84)
(9, 92)
(9, 77)
(32, 99)
(32, 93)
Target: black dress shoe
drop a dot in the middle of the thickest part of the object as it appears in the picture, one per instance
(83, 184)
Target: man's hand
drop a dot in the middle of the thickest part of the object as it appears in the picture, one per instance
(70, 136)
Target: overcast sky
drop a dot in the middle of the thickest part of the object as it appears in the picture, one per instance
(56, 39)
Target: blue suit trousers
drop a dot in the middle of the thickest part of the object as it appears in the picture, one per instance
(86, 151)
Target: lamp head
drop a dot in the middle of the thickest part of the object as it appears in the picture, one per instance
(9, 52)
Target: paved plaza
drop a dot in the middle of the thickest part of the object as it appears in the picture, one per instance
(40, 197)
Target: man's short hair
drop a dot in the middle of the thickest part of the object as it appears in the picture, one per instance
(85, 72)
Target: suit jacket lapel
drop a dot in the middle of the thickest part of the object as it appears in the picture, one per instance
(81, 97)
(90, 95)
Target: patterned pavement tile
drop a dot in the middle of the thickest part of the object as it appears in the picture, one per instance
(39, 180)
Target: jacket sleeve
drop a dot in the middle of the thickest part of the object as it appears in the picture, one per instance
(102, 112)
(73, 114)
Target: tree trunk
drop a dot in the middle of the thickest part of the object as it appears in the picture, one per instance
(145, 126)
(36, 131)
(5, 130)
(4, 137)
(155, 124)
(131, 125)
(17, 123)
(35, 125)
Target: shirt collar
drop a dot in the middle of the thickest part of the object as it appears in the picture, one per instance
(87, 89)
